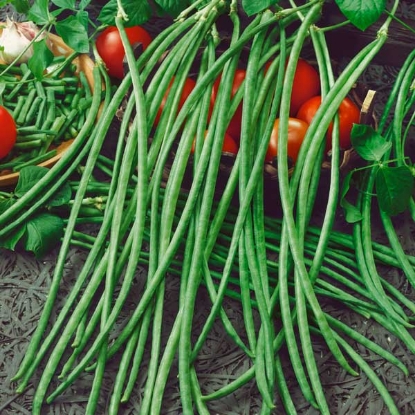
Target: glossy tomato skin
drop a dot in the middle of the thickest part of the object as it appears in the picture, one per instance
(349, 114)
(188, 87)
(229, 145)
(296, 132)
(234, 127)
(111, 49)
(8, 132)
(306, 85)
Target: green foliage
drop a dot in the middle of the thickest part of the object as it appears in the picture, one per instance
(21, 6)
(5, 203)
(172, 7)
(42, 231)
(394, 185)
(138, 12)
(73, 32)
(41, 59)
(362, 13)
(352, 213)
(252, 7)
(65, 4)
(83, 3)
(73, 29)
(11, 241)
(370, 145)
(39, 13)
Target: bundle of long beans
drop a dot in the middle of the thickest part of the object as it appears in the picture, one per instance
(149, 219)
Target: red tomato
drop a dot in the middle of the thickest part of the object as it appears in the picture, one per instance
(188, 86)
(111, 49)
(8, 132)
(306, 84)
(349, 114)
(229, 145)
(296, 132)
(234, 127)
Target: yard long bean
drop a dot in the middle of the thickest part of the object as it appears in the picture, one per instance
(281, 271)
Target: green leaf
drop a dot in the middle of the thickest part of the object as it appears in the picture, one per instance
(62, 196)
(369, 144)
(43, 233)
(362, 13)
(172, 7)
(21, 6)
(65, 4)
(56, 12)
(28, 177)
(252, 7)
(394, 187)
(83, 4)
(83, 17)
(41, 59)
(74, 34)
(6, 204)
(10, 241)
(138, 12)
(351, 212)
(39, 12)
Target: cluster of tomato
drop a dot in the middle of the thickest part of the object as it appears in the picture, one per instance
(305, 98)
(305, 101)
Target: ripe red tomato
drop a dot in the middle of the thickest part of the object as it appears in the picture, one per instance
(229, 145)
(349, 114)
(234, 127)
(306, 85)
(296, 132)
(111, 49)
(188, 86)
(8, 132)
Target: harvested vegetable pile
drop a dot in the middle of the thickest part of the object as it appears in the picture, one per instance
(182, 196)
(46, 113)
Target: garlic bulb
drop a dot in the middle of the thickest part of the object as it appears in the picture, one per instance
(15, 38)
